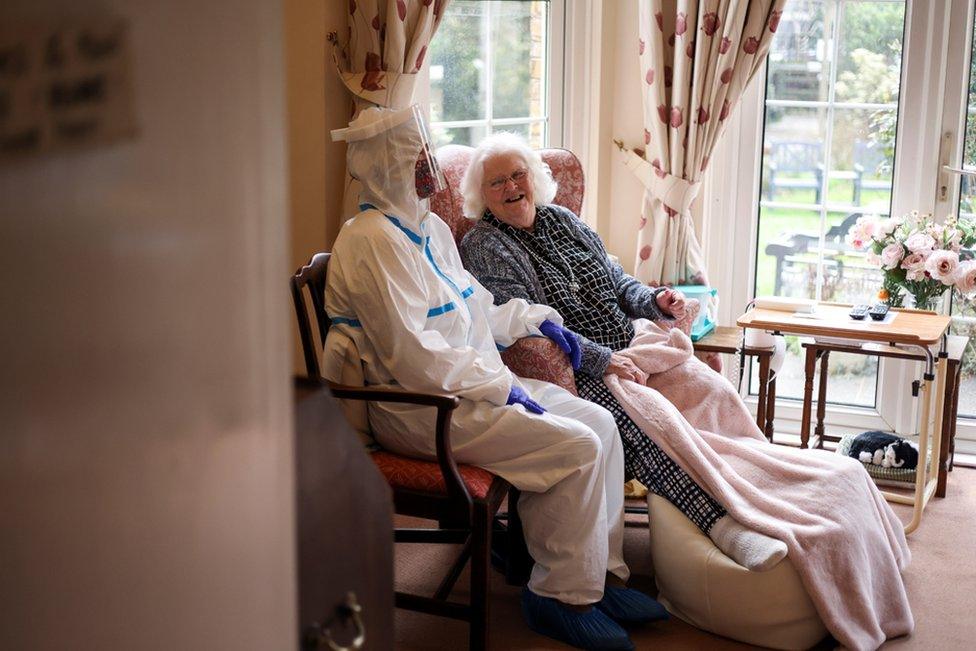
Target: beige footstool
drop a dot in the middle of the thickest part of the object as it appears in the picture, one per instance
(704, 587)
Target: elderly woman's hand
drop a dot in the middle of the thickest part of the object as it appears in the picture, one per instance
(671, 302)
(625, 369)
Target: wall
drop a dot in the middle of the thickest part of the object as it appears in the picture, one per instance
(317, 103)
(146, 480)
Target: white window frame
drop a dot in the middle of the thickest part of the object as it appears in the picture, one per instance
(933, 31)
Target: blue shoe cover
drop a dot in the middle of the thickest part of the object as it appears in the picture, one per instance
(590, 630)
(630, 606)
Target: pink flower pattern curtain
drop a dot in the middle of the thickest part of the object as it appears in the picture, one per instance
(386, 45)
(696, 58)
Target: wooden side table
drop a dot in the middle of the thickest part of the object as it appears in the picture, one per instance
(726, 339)
(816, 350)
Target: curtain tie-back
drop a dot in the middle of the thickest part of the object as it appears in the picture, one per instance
(383, 88)
(674, 192)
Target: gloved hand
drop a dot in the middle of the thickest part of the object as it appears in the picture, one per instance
(518, 396)
(566, 339)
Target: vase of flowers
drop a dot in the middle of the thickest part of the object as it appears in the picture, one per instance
(918, 257)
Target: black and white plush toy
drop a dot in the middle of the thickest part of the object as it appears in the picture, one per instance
(883, 449)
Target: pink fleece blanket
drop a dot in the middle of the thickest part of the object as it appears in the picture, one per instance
(846, 543)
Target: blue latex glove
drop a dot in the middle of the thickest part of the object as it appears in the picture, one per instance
(518, 396)
(566, 339)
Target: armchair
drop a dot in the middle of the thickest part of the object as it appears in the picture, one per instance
(463, 499)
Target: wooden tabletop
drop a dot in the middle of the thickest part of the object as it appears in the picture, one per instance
(832, 320)
(725, 339)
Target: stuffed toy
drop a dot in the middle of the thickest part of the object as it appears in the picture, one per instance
(883, 449)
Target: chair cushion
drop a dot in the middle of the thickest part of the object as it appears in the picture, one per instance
(704, 587)
(420, 475)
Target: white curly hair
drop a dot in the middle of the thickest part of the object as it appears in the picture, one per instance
(498, 144)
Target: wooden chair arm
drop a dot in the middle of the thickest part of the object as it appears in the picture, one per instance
(445, 405)
(378, 394)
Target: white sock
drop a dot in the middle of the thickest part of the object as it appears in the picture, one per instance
(750, 549)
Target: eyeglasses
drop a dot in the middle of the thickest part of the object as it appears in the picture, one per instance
(516, 177)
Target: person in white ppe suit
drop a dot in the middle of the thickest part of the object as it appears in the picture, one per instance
(396, 290)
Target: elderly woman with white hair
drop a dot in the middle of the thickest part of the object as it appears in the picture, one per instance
(525, 247)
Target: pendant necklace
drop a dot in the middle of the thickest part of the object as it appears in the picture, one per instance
(574, 286)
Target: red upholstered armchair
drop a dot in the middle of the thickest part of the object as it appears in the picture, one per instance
(533, 357)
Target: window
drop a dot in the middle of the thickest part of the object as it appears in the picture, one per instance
(964, 310)
(828, 148)
(491, 69)
(862, 104)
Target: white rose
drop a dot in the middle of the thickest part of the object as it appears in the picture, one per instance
(891, 255)
(919, 242)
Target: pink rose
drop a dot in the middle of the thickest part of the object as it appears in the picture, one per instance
(919, 242)
(942, 266)
(914, 265)
(966, 277)
(891, 255)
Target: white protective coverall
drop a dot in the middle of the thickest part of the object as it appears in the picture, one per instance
(397, 291)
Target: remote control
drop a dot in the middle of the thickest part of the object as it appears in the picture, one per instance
(858, 312)
(879, 311)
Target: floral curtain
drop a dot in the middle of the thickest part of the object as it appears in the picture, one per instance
(386, 44)
(385, 47)
(696, 58)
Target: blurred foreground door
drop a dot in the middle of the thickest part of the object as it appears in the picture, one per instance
(345, 528)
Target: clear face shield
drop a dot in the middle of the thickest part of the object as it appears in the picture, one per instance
(428, 177)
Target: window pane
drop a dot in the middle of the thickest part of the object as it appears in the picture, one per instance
(458, 69)
(470, 136)
(518, 46)
(793, 154)
(786, 263)
(964, 308)
(799, 67)
(502, 44)
(828, 154)
(534, 132)
(862, 158)
(847, 276)
(869, 58)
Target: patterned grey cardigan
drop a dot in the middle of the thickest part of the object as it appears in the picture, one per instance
(503, 266)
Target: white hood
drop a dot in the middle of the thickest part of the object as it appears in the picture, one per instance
(384, 145)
